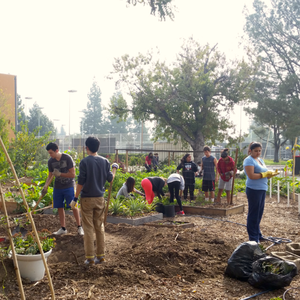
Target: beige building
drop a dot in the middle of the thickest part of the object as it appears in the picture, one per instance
(8, 99)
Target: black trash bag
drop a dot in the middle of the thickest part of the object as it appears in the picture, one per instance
(272, 273)
(241, 260)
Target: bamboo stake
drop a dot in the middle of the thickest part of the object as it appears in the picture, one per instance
(46, 186)
(109, 193)
(12, 246)
(294, 165)
(235, 162)
(30, 218)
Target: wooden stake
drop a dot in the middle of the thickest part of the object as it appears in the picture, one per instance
(235, 162)
(12, 246)
(109, 193)
(46, 186)
(294, 165)
(30, 218)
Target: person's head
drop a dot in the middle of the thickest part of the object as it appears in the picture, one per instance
(150, 155)
(52, 149)
(165, 180)
(206, 150)
(93, 144)
(187, 158)
(255, 149)
(155, 154)
(224, 154)
(199, 163)
(130, 182)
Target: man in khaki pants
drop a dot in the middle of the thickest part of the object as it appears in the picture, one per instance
(94, 171)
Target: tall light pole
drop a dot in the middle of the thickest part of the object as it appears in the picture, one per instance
(40, 110)
(26, 98)
(81, 126)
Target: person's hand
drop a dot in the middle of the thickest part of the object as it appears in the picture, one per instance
(231, 173)
(275, 173)
(73, 203)
(115, 165)
(44, 191)
(56, 173)
(267, 174)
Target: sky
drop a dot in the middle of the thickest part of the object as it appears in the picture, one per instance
(56, 46)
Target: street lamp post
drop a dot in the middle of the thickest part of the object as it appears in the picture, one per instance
(40, 110)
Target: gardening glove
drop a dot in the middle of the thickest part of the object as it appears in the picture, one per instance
(115, 165)
(73, 203)
(231, 173)
(275, 173)
(56, 173)
(267, 174)
(44, 191)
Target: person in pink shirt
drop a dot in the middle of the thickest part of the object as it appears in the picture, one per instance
(148, 162)
(225, 168)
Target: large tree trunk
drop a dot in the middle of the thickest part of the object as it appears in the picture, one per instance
(197, 146)
(276, 145)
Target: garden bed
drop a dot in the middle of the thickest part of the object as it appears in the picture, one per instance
(135, 221)
(171, 224)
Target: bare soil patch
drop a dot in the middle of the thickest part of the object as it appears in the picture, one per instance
(145, 262)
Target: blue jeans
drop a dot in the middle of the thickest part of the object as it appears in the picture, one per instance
(256, 205)
(60, 195)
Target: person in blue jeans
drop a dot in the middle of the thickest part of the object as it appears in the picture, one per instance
(256, 186)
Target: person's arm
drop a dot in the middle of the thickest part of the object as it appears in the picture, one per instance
(70, 174)
(250, 173)
(160, 191)
(178, 168)
(182, 183)
(218, 168)
(138, 192)
(216, 165)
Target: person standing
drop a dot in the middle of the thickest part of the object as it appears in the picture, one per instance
(225, 168)
(175, 183)
(94, 171)
(257, 176)
(155, 161)
(208, 165)
(153, 186)
(189, 170)
(148, 162)
(62, 166)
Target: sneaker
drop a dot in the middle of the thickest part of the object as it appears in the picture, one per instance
(100, 260)
(80, 230)
(181, 213)
(89, 261)
(60, 231)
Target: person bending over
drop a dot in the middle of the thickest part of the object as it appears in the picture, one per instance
(128, 188)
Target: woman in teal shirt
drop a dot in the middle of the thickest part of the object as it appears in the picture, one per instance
(256, 187)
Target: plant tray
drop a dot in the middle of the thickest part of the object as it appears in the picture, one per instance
(136, 221)
(171, 224)
(288, 256)
(211, 211)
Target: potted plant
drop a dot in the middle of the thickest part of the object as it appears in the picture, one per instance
(169, 207)
(29, 259)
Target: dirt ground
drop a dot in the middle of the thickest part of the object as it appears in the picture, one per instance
(144, 262)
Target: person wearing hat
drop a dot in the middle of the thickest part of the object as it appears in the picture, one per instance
(225, 168)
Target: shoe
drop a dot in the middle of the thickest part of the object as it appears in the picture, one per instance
(80, 230)
(180, 213)
(99, 260)
(263, 239)
(89, 261)
(60, 231)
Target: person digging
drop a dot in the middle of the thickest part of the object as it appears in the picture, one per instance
(94, 171)
(62, 166)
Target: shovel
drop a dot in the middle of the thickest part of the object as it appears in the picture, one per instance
(109, 193)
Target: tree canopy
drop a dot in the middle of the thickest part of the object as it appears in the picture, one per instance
(190, 99)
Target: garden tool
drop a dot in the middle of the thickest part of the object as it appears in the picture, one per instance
(114, 169)
(41, 197)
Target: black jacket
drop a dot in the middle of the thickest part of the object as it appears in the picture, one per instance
(188, 172)
(157, 185)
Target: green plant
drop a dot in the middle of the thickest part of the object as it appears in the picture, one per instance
(267, 267)
(116, 206)
(27, 245)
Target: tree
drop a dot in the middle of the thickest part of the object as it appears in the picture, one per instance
(274, 32)
(185, 99)
(36, 118)
(93, 120)
(163, 7)
(21, 112)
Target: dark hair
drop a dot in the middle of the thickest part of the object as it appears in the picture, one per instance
(199, 162)
(150, 154)
(224, 153)
(183, 160)
(206, 148)
(52, 146)
(130, 182)
(254, 145)
(92, 143)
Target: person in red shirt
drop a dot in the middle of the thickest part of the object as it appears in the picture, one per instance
(148, 162)
(226, 170)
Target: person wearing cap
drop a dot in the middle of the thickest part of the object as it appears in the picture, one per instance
(94, 171)
(225, 168)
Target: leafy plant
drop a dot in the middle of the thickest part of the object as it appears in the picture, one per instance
(28, 246)
(116, 206)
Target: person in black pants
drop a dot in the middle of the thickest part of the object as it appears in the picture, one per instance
(175, 183)
(189, 169)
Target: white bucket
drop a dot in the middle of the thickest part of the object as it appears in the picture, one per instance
(31, 266)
